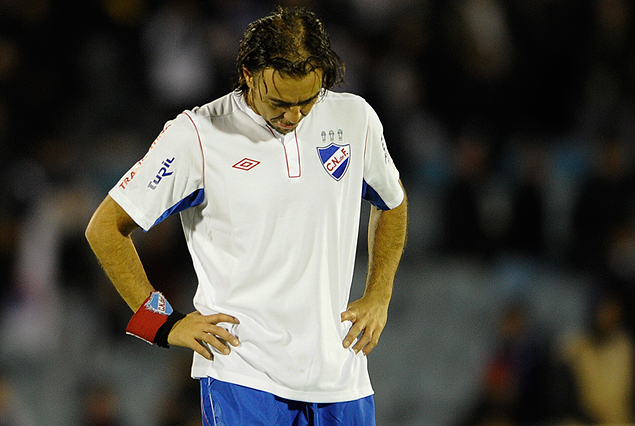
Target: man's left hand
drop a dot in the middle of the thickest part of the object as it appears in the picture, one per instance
(368, 317)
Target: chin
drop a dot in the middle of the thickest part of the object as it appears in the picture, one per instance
(284, 130)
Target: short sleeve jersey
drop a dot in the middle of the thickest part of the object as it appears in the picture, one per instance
(271, 222)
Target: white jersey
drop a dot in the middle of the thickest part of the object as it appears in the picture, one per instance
(271, 222)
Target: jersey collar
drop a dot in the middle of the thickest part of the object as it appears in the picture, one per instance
(244, 107)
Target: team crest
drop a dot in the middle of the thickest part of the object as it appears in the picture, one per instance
(158, 304)
(335, 159)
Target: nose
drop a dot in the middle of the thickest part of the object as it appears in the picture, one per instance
(293, 114)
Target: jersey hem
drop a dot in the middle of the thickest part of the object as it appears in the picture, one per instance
(133, 211)
(324, 397)
(396, 202)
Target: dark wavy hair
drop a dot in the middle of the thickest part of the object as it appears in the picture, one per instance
(291, 41)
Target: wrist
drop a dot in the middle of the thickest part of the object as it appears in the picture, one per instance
(161, 338)
(154, 320)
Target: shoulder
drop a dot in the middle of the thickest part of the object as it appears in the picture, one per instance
(189, 124)
(346, 104)
(353, 108)
(219, 115)
(343, 98)
(221, 107)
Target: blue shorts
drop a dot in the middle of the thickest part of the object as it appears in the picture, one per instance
(226, 404)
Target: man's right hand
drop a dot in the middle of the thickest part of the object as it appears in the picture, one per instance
(196, 328)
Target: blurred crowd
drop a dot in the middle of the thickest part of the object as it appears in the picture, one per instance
(512, 123)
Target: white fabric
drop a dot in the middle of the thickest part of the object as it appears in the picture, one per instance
(273, 239)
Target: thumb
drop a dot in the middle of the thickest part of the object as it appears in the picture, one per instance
(349, 316)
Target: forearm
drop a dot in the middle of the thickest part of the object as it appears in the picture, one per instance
(108, 234)
(386, 240)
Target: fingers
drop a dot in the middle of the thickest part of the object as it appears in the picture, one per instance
(355, 331)
(204, 349)
(214, 318)
(222, 334)
(213, 336)
(204, 335)
(366, 328)
(367, 338)
(219, 338)
(217, 318)
(207, 345)
(367, 342)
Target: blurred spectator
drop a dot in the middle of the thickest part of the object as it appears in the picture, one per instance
(181, 406)
(176, 43)
(13, 412)
(618, 269)
(599, 363)
(605, 201)
(54, 208)
(552, 41)
(526, 234)
(100, 405)
(513, 382)
(9, 225)
(473, 66)
(609, 86)
(32, 312)
(464, 231)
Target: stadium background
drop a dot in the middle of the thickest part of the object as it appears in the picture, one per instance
(511, 121)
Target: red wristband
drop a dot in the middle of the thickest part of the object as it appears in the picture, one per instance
(149, 318)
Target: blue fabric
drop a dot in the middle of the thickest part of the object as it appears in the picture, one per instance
(370, 195)
(194, 199)
(226, 404)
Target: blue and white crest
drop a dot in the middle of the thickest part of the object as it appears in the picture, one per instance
(335, 159)
(158, 304)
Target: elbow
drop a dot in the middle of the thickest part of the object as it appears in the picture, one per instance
(108, 222)
(91, 233)
(98, 226)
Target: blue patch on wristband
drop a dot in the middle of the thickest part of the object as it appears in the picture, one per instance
(159, 304)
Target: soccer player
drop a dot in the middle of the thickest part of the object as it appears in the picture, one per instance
(268, 181)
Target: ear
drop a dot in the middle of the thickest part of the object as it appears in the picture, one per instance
(249, 78)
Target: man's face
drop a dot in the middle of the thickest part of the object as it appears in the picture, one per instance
(281, 100)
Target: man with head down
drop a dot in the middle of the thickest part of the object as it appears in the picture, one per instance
(268, 181)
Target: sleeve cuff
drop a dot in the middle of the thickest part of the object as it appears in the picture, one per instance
(150, 317)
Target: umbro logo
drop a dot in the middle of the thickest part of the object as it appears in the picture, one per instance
(246, 164)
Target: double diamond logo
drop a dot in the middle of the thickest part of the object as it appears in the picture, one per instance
(246, 164)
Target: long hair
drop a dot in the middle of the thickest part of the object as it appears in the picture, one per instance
(291, 41)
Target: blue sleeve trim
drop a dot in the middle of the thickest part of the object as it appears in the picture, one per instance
(370, 195)
(194, 199)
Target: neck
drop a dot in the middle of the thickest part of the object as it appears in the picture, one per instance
(248, 95)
